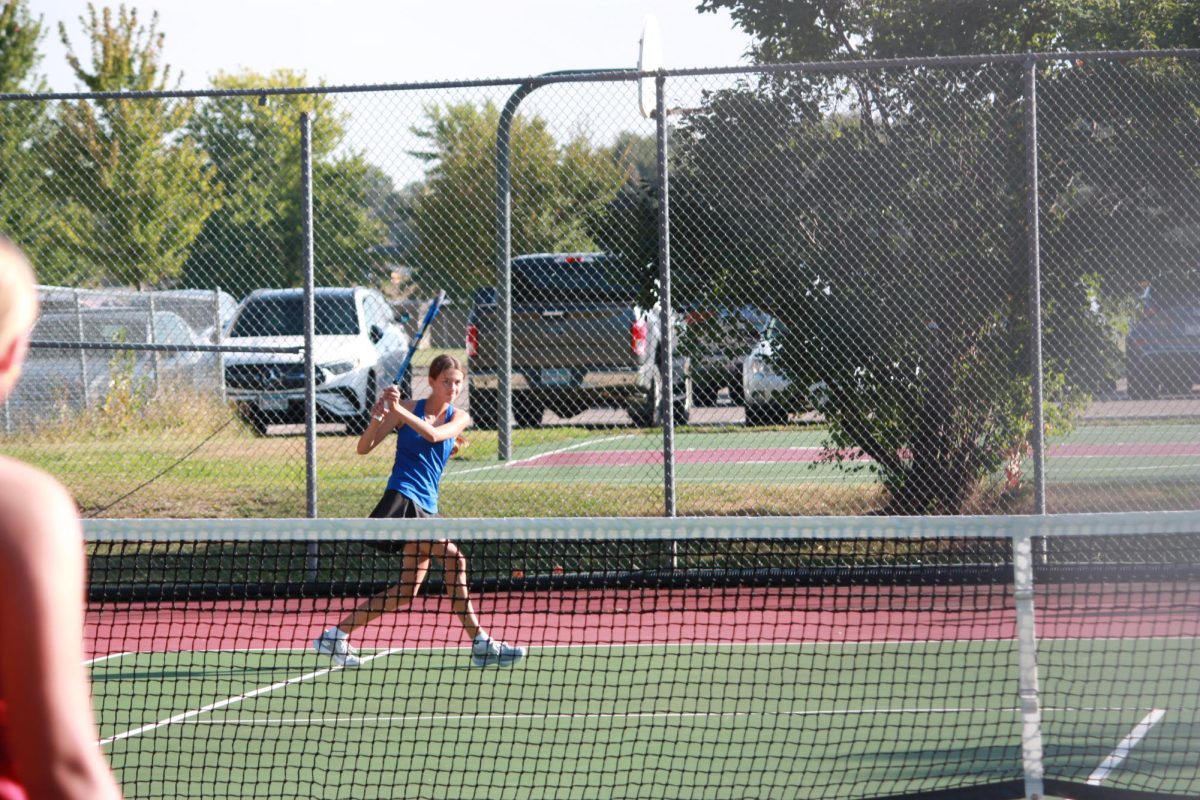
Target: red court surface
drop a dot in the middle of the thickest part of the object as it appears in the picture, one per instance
(622, 617)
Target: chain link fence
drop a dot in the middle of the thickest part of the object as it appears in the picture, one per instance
(872, 284)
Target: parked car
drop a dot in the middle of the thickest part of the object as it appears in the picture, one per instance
(1163, 348)
(358, 344)
(60, 378)
(716, 342)
(579, 340)
(204, 310)
(769, 398)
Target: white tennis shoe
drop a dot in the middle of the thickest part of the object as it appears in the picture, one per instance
(337, 647)
(488, 652)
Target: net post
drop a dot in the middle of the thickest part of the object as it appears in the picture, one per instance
(1031, 713)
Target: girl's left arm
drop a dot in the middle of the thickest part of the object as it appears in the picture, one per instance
(436, 433)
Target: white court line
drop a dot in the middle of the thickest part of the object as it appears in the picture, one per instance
(229, 701)
(101, 659)
(576, 446)
(1126, 746)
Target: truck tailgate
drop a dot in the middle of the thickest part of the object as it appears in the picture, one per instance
(558, 337)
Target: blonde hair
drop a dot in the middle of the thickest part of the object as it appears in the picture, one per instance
(18, 293)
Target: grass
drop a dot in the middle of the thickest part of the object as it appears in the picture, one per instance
(179, 455)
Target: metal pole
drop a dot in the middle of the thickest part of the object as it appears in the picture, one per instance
(504, 257)
(1031, 735)
(155, 358)
(666, 337)
(504, 270)
(217, 339)
(310, 394)
(83, 373)
(1032, 237)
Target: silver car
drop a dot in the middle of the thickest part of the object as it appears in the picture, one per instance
(768, 396)
(358, 344)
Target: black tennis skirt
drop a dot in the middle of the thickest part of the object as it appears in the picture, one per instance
(394, 505)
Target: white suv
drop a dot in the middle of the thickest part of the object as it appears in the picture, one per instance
(358, 344)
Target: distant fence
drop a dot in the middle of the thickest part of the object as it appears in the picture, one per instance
(949, 263)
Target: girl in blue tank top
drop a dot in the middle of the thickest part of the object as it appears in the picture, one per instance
(428, 432)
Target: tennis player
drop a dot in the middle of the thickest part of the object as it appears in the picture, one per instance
(47, 731)
(428, 432)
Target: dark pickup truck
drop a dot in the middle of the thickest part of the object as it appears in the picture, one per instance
(579, 341)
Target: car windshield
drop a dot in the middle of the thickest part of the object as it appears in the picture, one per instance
(283, 315)
(773, 330)
(559, 278)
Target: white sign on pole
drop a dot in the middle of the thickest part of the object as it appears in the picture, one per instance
(649, 60)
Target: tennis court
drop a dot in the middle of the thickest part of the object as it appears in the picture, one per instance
(1091, 454)
(590, 721)
(833, 683)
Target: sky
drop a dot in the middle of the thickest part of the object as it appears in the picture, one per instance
(400, 41)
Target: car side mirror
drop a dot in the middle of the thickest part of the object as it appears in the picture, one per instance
(376, 334)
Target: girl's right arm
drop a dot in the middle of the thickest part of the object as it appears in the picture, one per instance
(385, 416)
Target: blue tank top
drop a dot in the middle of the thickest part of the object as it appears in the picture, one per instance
(419, 464)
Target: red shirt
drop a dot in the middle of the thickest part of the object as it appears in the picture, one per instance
(10, 787)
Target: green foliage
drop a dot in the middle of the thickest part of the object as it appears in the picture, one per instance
(897, 199)
(256, 238)
(558, 192)
(128, 393)
(27, 213)
(134, 189)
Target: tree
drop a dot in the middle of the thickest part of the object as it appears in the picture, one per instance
(27, 213)
(133, 186)
(879, 214)
(558, 193)
(256, 238)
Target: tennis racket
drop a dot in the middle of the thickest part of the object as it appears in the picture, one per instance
(434, 307)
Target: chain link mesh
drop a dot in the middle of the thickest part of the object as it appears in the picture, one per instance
(850, 281)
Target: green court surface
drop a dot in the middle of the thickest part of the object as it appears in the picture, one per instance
(795, 720)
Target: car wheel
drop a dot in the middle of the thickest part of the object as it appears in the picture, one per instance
(760, 414)
(705, 392)
(645, 408)
(1142, 383)
(256, 419)
(737, 393)
(683, 402)
(527, 410)
(482, 406)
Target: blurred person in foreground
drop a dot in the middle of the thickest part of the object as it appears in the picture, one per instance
(48, 733)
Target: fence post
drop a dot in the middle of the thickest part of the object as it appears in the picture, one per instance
(154, 340)
(218, 338)
(83, 376)
(310, 392)
(1032, 234)
(666, 337)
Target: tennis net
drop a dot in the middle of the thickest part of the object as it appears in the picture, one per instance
(840, 657)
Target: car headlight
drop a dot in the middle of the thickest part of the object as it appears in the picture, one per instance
(339, 367)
